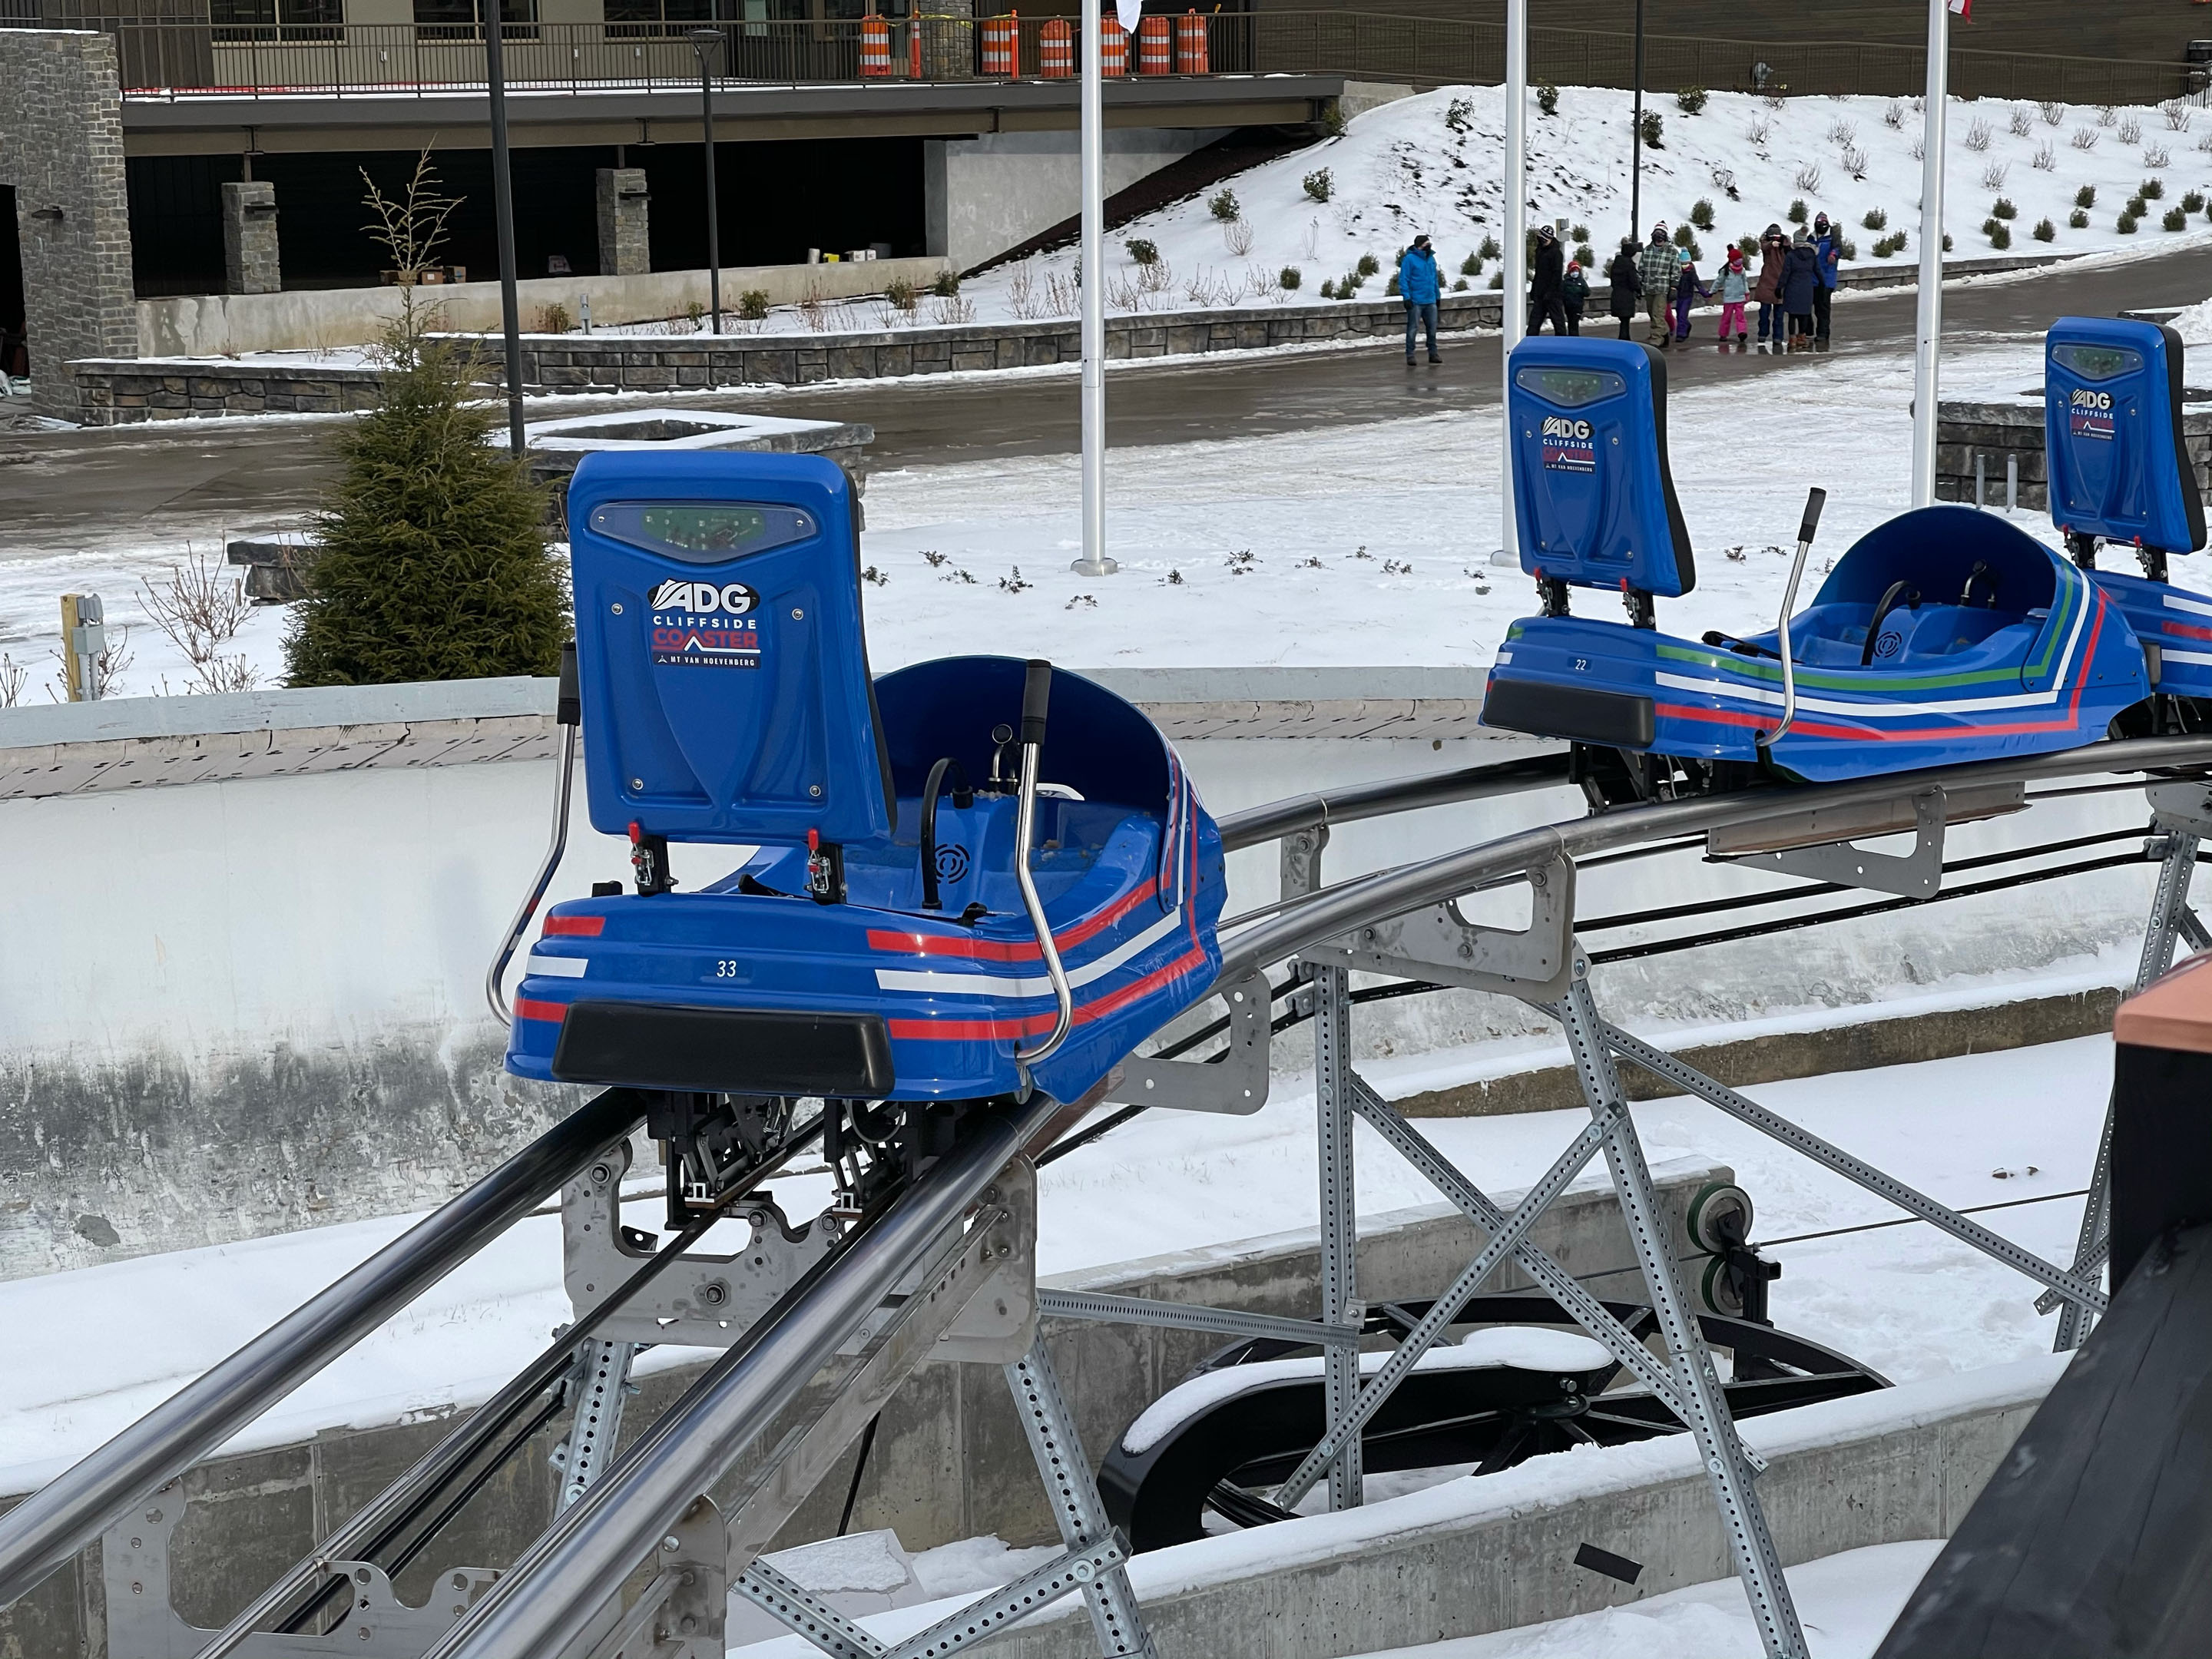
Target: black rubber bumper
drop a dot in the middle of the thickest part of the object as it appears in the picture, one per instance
(1584, 712)
(723, 1050)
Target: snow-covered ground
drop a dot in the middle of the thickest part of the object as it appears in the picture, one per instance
(1338, 546)
(1906, 1300)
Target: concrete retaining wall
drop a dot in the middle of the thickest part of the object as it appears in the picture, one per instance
(2009, 433)
(949, 1461)
(1496, 1553)
(313, 320)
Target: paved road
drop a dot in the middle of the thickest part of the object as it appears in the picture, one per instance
(63, 490)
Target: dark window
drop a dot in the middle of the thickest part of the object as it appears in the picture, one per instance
(277, 20)
(642, 17)
(463, 20)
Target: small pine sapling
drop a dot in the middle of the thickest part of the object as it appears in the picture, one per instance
(1690, 100)
(1289, 277)
(1547, 98)
(1701, 214)
(1471, 267)
(1223, 205)
(2176, 219)
(1654, 130)
(2125, 224)
(1799, 214)
(2000, 238)
(1876, 219)
(2079, 219)
(2004, 210)
(2086, 197)
(1320, 185)
(2046, 231)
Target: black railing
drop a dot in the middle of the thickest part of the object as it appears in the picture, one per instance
(302, 51)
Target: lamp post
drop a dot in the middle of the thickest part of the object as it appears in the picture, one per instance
(702, 42)
(1928, 332)
(1636, 138)
(503, 199)
(1091, 265)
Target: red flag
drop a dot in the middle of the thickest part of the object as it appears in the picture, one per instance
(1961, 7)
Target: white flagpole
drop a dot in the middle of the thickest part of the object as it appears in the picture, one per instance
(1094, 561)
(1515, 297)
(1929, 332)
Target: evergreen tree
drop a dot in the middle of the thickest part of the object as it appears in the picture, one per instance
(431, 563)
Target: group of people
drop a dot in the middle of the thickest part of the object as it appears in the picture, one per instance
(1794, 287)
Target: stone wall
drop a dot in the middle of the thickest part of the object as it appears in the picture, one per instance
(117, 393)
(2009, 433)
(61, 147)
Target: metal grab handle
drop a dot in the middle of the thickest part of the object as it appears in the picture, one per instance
(1036, 693)
(1814, 500)
(568, 715)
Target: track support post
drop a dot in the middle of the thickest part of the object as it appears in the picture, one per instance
(2169, 918)
(1076, 1506)
(1757, 1562)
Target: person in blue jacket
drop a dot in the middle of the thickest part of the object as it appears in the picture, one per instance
(1827, 248)
(1420, 285)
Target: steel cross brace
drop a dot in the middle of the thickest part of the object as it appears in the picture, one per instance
(1562, 1287)
(1339, 1241)
(1758, 1562)
(1187, 1316)
(1418, 1341)
(837, 1635)
(2177, 805)
(601, 1384)
(1076, 1506)
(2070, 1287)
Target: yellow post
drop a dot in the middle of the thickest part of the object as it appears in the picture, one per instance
(72, 664)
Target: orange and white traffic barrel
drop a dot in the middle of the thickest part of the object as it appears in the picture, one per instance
(913, 48)
(999, 36)
(1114, 52)
(875, 46)
(1155, 46)
(1190, 44)
(1056, 50)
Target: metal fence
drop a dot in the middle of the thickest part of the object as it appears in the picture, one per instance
(170, 58)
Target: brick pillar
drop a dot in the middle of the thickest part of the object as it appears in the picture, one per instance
(250, 263)
(625, 238)
(61, 148)
(948, 40)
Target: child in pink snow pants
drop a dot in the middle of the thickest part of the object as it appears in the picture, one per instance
(1735, 288)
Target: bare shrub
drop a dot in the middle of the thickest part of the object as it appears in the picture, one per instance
(948, 308)
(1854, 160)
(1893, 117)
(2046, 159)
(1122, 296)
(2106, 115)
(1063, 294)
(2156, 155)
(107, 668)
(2132, 131)
(201, 608)
(2176, 115)
(1993, 176)
(2022, 121)
(1977, 136)
(1157, 277)
(1760, 130)
(1808, 176)
(1021, 291)
(2085, 138)
(1841, 131)
(13, 677)
(412, 229)
(2053, 113)
(1237, 235)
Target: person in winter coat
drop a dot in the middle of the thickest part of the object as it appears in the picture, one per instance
(1801, 281)
(1773, 254)
(1658, 268)
(1547, 283)
(1734, 284)
(1575, 291)
(1418, 286)
(1624, 285)
(1827, 248)
(1689, 288)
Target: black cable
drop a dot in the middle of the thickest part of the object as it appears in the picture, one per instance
(861, 1467)
(1922, 1220)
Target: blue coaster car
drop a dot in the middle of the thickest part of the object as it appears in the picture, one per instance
(878, 944)
(1944, 635)
(2119, 471)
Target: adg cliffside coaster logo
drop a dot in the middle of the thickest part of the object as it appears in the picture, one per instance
(1568, 447)
(2089, 414)
(705, 625)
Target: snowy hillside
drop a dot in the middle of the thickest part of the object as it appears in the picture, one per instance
(1436, 163)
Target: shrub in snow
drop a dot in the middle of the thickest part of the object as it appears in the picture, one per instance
(2204, 144)
(1459, 114)
(1947, 241)
(1846, 248)
(1585, 255)
(2085, 138)
(2022, 123)
(1236, 237)
(1489, 250)
(2130, 131)
(2176, 113)
(1390, 288)
(2151, 189)
(1993, 176)
(1460, 287)
(1471, 267)
(752, 304)
(1876, 219)
(1684, 237)
(2053, 111)
(2125, 224)
(2000, 236)
(2176, 219)
(2046, 159)
(2106, 115)
(1854, 160)
(1223, 206)
(1328, 289)
(2004, 210)
(2156, 155)
(1289, 277)
(2046, 231)
(2193, 203)
(1580, 233)
(1498, 279)
(1701, 214)
(1320, 185)
(1654, 130)
(1690, 100)
(1977, 136)
(2086, 197)
(1761, 129)
(1547, 98)
(1369, 264)
(1841, 131)
(2079, 219)
(1919, 150)
(1809, 175)
(433, 563)
(1893, 117)
(1144, 252)
(1798, 213)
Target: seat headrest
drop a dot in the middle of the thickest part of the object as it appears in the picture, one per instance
(2117, 464)
(1593, 495)
(724, 667)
